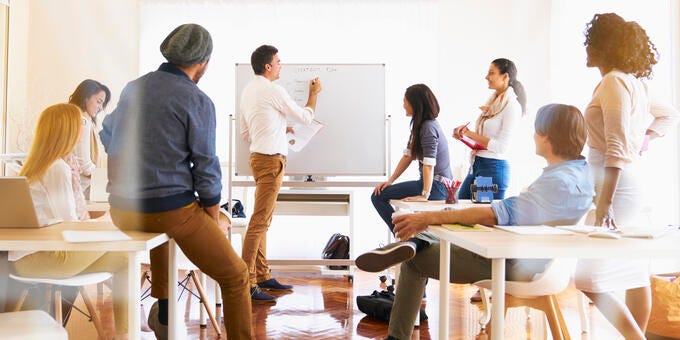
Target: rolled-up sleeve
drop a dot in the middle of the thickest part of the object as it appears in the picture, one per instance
(206, 172)
(284, 103)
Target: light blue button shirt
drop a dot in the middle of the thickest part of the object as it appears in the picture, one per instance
(560, 196)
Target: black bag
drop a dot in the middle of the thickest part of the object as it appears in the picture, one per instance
(238, 211)
(378, 305)
(337, 247)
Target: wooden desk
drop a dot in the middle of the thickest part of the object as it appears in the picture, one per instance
(500, 245)
(49, 238)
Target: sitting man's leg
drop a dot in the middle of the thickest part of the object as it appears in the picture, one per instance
(466, 267)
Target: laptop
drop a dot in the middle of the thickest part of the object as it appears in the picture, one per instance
(98, 183)
(16, 206)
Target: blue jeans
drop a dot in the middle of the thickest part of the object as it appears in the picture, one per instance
(497, 169)
(401, 190)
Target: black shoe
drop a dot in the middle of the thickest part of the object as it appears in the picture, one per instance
(272, 284)
(257, 295)
(382, 258)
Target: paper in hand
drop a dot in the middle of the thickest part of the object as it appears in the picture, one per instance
(303, 134)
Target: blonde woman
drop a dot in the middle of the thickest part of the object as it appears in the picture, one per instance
(53, 176)
(91, 97)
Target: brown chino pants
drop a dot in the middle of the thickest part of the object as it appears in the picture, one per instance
(204, 243)
(268, 173)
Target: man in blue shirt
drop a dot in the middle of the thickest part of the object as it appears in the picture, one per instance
(164, 175)
(561, 195)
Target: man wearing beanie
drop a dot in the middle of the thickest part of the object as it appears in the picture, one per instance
(265, 109)
(164, 175)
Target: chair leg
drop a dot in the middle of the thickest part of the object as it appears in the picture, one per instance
(57, 307)
(22, 299)
(560, 318)
(93, 313)
(204, 302)
(551, 313)
(582, 305)
(486, 316)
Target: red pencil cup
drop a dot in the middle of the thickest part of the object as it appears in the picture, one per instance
(452, 192)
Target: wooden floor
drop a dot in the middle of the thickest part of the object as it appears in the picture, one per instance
(324, 307)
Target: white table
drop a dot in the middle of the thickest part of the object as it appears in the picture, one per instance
(499, 245)
(49, 238)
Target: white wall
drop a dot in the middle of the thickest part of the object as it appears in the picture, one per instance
(54, 45)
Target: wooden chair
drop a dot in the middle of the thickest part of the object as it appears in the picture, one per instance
(540, 293)
(79, 281)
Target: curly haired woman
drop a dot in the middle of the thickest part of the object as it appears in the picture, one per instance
(618, 133)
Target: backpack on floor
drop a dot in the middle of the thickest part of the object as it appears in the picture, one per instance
(378, 305)
(337, 247)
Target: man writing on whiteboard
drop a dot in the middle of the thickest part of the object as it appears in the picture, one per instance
(265, 109)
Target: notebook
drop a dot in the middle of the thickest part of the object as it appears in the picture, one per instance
(638, 232)
(16, 206)
(534, 230)
(471, 143)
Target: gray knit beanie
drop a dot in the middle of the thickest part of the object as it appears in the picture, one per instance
(187, 44)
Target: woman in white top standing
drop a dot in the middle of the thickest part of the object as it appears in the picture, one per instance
(494, 128)
(91, 97)
(55, 190)
(618, 133)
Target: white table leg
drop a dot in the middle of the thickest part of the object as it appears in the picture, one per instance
(444, 279)
(135, 294)
(498, 305)
(173, 319)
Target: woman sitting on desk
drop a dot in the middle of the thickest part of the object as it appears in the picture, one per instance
(54, 179)
(494, 128)
(428, 145)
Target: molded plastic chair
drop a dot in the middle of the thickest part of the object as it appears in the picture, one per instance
(74, 281)
(30, 325)
(539, 293)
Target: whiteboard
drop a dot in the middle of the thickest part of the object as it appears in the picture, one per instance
(351, 107)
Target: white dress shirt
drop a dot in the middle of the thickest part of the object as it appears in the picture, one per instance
(83, 152)
(265, 109)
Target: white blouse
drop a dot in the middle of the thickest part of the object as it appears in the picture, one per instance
(53, 198)
(500, 128)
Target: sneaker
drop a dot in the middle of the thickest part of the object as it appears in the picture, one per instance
(159, 329)
(272, 284)
(382, 258)
(257, 295)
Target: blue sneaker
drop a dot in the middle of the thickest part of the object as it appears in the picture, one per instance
(257, 295)
(272, 284)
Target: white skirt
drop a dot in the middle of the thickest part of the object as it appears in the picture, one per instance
(599, 276)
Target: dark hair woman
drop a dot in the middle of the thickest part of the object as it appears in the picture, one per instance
(91, 97)
(427, 144)
(494, 128)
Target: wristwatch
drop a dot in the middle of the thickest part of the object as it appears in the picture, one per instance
(425, 193)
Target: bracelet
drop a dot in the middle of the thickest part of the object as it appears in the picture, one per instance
(425, 193)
